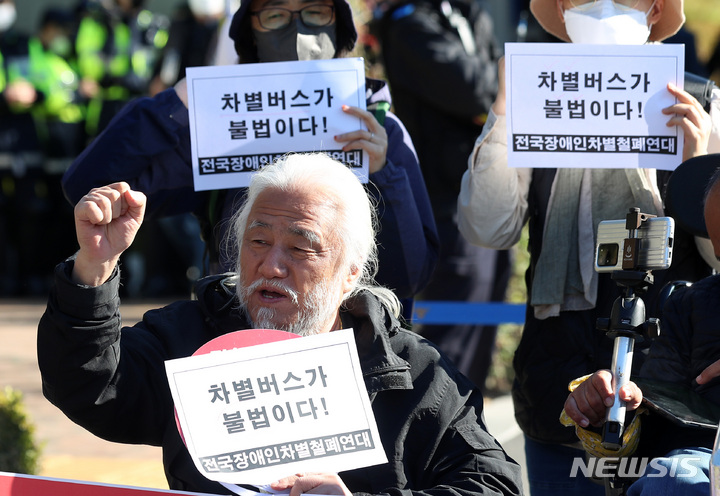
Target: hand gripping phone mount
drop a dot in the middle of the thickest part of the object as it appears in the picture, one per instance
(626, 325)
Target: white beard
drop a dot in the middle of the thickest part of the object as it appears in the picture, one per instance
(317, 309)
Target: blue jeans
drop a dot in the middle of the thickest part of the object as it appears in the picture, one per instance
(549, 467)
(682, 471)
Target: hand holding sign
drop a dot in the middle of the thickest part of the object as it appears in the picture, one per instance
(312, 483)
(373, 140)
(572, 105)
(692, 119)
(254, 411)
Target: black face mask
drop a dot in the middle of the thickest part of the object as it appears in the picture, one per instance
(296, 42)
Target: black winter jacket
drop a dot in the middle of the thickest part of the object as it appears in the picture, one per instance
(440, 91)
(689, 341)
(112, 382)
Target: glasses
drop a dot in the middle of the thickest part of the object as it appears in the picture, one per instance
(622, 4)
(312, 16)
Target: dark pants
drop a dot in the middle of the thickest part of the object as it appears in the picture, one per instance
(466, 273)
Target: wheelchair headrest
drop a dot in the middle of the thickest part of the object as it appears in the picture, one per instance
(685, 194)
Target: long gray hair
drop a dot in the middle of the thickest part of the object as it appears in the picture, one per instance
(356, 214)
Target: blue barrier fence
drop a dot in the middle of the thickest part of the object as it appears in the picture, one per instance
(448, 312)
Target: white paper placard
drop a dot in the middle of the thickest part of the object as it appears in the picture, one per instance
(256, 414)
(571, 105)
(244, 116)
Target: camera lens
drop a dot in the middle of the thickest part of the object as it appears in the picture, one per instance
(607, 255)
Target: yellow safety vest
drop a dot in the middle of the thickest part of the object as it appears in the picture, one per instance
(54, 76)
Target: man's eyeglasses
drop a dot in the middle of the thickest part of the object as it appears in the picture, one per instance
(622, 4)
(312, 16)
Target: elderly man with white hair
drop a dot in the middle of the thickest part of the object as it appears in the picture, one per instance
(306, 257)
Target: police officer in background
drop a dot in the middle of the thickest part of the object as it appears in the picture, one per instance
(41, 130)
(59, 120)
(117, 44)
(18, 141)
(19, 146)
(59, 117)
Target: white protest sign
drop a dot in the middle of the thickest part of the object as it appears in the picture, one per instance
(253, 415)
(245, 116)
(571, 105)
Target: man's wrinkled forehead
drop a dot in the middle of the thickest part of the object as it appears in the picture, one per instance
(291, 229)
(310, 212)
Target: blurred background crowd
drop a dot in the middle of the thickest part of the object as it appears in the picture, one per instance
(66, 68)
(61, 82)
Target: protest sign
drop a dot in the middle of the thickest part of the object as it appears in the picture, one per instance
(571, 105)
(245, 116)
(21, 484)
(255, 414)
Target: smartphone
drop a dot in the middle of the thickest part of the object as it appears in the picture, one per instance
(651, 248)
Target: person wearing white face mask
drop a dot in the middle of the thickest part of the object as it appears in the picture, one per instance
(607, 22)
(559, 341)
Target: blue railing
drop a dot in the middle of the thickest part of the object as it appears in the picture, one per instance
(449, 312)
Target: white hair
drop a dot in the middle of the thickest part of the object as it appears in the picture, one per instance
(356, 216)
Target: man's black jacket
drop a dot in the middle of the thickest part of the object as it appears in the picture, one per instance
(113, 383)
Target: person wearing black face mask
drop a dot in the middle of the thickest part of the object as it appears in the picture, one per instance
(159, 164)
(305, 34)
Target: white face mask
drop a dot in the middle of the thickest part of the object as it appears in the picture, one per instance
(605, 23)
(209, 8)
(7, 16)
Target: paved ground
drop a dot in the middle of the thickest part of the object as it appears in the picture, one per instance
(70, 452)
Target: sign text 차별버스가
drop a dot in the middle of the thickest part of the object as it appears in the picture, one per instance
(592, 106)
(255, 414)
(245, 116)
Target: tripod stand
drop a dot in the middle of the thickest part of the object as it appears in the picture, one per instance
(643, 249)
(627, 325)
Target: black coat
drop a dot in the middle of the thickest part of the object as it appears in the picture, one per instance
(440, 91)
(689, 341)
(113, 383)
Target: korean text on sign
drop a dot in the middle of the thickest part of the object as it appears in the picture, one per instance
(592, 105)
